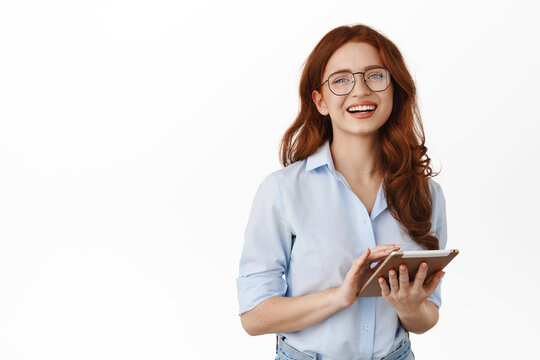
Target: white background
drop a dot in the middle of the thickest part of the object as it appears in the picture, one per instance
(134, 134)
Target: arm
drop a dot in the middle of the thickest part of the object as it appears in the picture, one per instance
(420, 315)
(286, 314)
(424, 319)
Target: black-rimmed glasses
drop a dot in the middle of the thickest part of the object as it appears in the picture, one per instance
(342, 83)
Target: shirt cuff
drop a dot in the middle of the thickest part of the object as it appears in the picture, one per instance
(252, 290)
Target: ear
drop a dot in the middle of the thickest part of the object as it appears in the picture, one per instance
(319, 102)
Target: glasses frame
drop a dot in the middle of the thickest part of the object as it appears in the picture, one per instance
(354, 80)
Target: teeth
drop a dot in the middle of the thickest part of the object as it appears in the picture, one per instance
(362, 108)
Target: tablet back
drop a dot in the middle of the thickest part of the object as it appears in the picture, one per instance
(436, 260)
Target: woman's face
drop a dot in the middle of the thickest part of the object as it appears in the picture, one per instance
(354, 57)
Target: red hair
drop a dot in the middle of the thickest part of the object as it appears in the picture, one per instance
(404, 159)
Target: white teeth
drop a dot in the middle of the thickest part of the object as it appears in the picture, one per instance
(362, 108)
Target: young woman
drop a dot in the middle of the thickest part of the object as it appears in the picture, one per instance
(356, 185)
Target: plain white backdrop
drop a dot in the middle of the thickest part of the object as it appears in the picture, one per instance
(134, 134)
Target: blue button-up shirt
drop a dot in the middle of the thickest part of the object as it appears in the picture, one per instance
(305, 229)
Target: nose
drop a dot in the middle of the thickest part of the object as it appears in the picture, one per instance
(360, 88)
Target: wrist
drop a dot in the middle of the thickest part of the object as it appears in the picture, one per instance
(339, 299)
(420, 320)
(412, 313)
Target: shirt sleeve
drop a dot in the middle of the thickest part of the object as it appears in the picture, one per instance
(439, 219)
(266, 251)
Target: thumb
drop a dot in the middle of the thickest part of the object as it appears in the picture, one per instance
(359, 261)
(363, 258)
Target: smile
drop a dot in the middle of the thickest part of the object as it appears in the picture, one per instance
(361, 109)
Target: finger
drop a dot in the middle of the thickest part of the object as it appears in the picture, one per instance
(386, 248)
(382, 251)
(374, 257)
(385, 290)
(392, 279)
(403, 277)
(435, 280)
(420, 276)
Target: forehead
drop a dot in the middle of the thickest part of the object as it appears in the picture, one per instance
(353, 56)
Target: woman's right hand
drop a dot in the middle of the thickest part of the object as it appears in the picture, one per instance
(360, 271)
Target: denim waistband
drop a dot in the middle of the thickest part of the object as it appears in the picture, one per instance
(285, 351)
(403, 352)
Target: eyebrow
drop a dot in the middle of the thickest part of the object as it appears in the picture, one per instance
(365, 68)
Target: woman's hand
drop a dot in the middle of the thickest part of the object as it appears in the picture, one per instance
(360, 271)
(408, 298)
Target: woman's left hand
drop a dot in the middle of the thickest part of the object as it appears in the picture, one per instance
(407, 298)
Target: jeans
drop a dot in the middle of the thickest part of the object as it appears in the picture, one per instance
(286, 352)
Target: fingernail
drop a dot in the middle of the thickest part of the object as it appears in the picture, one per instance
(424, 266)
(381, 280)
(402, 268)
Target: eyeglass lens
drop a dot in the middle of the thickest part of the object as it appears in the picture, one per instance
(342, 83)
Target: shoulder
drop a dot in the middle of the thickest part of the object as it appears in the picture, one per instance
(438, 201)
(288, 175)
(434, 187)
(278, 180)
(437, 194)
(438, 213)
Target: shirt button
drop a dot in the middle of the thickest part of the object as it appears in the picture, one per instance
(367, 326)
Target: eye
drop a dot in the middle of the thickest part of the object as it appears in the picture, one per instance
(341, 80)
(376, 76)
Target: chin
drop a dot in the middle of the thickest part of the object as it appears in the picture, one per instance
(361, 130)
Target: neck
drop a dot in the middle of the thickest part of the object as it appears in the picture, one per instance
(358, 157)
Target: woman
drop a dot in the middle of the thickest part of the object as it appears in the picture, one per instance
(356, 186)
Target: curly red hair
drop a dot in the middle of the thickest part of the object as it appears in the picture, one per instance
(404, 155)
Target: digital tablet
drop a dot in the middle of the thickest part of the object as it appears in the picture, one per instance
(435, 259)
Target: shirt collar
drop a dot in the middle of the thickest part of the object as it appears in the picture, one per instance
(380, 203)
(321, 157)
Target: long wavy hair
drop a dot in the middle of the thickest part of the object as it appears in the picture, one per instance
(404, 156)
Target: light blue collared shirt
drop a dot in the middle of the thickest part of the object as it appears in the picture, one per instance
(305, 229)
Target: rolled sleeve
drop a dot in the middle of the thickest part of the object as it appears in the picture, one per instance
(439, 219)
(436, 296)
(266, 249)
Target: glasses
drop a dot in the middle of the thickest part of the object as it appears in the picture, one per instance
(342, 82)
